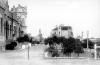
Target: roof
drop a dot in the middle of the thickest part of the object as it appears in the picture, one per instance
(19, 9)
(63, 28)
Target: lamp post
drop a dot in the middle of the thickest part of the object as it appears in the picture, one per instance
(95, 51)
(12, 24)
(87, 40)
(28, 51)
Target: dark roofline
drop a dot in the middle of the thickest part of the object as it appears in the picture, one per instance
(63, 28)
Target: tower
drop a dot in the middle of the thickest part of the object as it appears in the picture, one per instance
(21, 13)
(40, 36)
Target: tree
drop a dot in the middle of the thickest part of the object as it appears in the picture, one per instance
(78, 47)
(68, 45)
(90, 44)
(48, 41)
(52, 41)
(25, 38)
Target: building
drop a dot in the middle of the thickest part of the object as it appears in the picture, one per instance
(10, 21)
(4, 29)
(14, 24)
(62, 31)
(21, 13)
(39, 37)
(96, 49)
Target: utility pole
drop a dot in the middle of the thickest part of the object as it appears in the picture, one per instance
(87, 39)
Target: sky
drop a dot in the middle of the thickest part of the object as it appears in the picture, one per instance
(82, 15)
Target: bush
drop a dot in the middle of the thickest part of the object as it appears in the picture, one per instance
(52, 52)
(79, 50)
(11, 46)
(90, 44)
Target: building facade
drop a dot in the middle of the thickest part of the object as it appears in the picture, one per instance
(4, 29)
(62, 31)
(10, 21)
(14, 24)
(21, 13)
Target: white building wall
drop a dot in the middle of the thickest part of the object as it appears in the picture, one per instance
(64, 33)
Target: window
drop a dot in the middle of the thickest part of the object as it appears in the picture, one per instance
(59, 33)
(10, 30)
(55, 33)
(15, 30)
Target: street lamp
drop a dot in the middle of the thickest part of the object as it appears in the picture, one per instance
(87, 39)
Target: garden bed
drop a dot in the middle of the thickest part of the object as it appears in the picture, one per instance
(46, 55)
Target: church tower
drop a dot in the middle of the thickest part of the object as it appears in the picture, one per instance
(40, 36)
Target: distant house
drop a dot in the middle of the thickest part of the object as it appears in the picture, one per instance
(62, 31)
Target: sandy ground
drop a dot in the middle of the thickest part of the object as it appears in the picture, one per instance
(20, 57)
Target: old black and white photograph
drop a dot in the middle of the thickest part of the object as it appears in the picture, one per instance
(49, 32)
